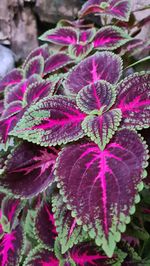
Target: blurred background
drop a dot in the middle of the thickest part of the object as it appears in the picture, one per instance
(22, 21)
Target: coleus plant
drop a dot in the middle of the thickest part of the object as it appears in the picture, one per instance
(72, 165)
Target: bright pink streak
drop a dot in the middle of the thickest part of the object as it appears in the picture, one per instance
(7, 245)
(72, 227)
(85, 258)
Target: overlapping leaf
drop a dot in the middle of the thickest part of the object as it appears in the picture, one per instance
(78, 51)
(34, 66)
(28, 162)
(119, 9)
(45, 225)
(55, 62)
(110, 38)
(11, 79)
(42, 50)
(100, 66)
(53, 120)
(69, 232)
(100, 187)
(134, 100)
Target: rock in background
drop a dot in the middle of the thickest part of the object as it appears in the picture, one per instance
(21, 21)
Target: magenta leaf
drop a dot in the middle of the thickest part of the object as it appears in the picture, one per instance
(78, 51)
(11, 247)
(10, 210)
(100, 95)
(110, 38)
(91, 255)
(56, 61)
(40, 256)
(69, 232)
(102, 65)
(119, 9)
(1, 107)
(34, 66)
(17, 92)
(42, 50)
(29, 162)
(134, 100)
(95, 184)
(12, 108)
(38, 91)
(86, 36)
(61, 36)
(101, 127)
(11, 79)
(44, 225)
(53, 120)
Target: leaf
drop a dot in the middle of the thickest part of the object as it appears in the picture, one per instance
(110, 38)
(61, 36)
(28, 162)
(40, 256)
(34, 66)
(45, 229)
(11, 79)
(51, 121)
(11, 247)
(86, 36)
(10, 210)
(42, 50)
(1, 107)
(100, 95)
(134, 100)
(102, 65)
(38, 91)
(119, 9)
(12, 109)
(88, 254)
(17, 92)
(56, 61)
(78, 51)
(101, 128)
(101, 187)
(69, 232)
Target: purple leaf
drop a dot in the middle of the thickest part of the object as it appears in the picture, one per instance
(100, 128)
(119, 9)
(56, 61)
(78, 51)
(102, 65)
(42, 50)
(40, 256)
(34, 66)
(134, 100)
(44, 225)
(29, 162)
(110, 38)
(95, 184)
(11, 247)
(89, 254)
(38, 91)
(62, 36)
(100, 95)
(17, 92)
(11, 79)
(12, 108)
(53, 120)
(1, 106)
(69, 232)
(10, 209)
(86, 36)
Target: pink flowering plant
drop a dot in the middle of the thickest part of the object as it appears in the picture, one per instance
(72, 160)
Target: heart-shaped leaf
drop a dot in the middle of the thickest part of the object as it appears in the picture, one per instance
(42, 50)
(28, 162)
(134, 100)
(100, 66)
(101, 187)
(110, 38)
(61, 35)
(119, 9)
(53, 120)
